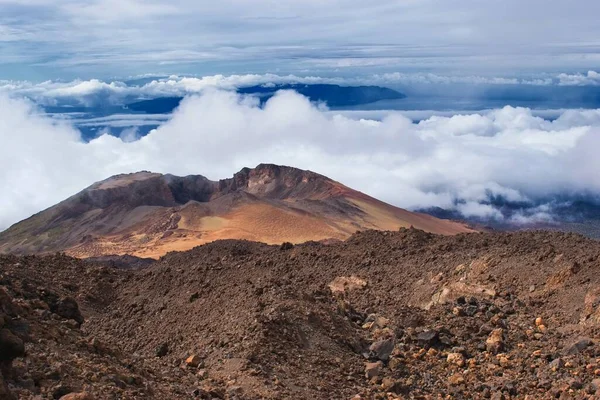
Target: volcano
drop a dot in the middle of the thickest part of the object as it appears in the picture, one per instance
(148, 214)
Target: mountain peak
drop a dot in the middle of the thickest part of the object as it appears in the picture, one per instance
(148, 214)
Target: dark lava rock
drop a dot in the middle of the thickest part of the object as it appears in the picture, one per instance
(11, 346)
(428, 337)
(68, 308)
(162, 349)
(382, 349)
(578, 346)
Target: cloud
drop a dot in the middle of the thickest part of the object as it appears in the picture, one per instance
(452, 162)
(88, 38)
(98, 92)
(591, 78)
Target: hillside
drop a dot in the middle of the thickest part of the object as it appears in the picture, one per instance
(383, 315)
(147, 214)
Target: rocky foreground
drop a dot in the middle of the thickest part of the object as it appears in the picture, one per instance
(383, 315)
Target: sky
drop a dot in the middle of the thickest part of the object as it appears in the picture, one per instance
(69, 39)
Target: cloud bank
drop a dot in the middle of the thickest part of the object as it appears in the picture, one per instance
(97, 92)
(455, 162)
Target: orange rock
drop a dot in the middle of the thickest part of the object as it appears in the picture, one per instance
(495, 342)
(193, 361)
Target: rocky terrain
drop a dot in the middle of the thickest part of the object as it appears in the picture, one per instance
(382, 315)
(147, 214)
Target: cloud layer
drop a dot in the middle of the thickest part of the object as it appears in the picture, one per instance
(453, 162)
(95, 91)
(93, 37)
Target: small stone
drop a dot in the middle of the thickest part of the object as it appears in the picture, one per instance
(419, 354)
(381, 322)
(495, 342)
(427, 337)
(456, 379)
(193, 361)
(557, 364)
(382, 349)
(390, 385)
(373, 370)
(503, 360)
(456, 359)
(432, 352)
(578, 346)
(394, 363)
(368, 325)
(162, 349)
(596, 384)
(539, 321)
(597, 372)
(542, 328)
(575, 384)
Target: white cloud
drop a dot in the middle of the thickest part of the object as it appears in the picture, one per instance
(95, 91)
(507, 152)
(591, 78)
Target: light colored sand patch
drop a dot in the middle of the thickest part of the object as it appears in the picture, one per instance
(213, 223)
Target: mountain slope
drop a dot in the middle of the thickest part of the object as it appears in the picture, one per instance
(383, 315)
(147, 214)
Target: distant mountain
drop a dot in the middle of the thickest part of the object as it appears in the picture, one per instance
(147, 214)
(579, 214)
(333, 95)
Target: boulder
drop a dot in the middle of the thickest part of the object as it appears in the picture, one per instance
(68, 308)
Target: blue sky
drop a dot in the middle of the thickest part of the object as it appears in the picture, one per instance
(44, 39)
